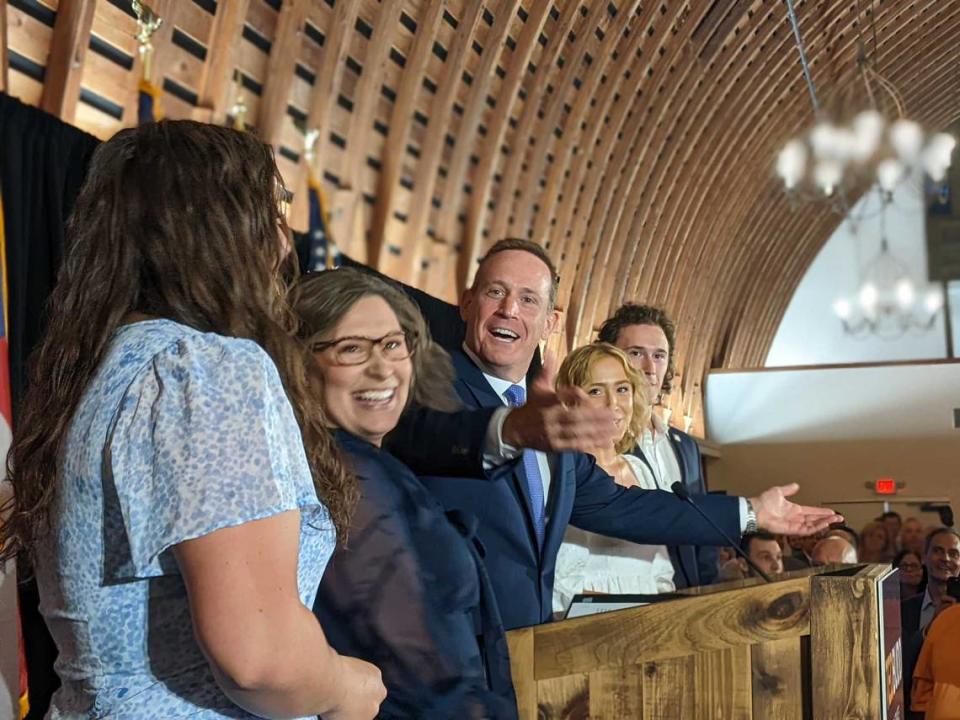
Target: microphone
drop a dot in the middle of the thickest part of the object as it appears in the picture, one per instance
(680, 490)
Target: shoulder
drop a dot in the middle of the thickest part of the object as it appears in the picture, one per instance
(382, 476)
(170, 352)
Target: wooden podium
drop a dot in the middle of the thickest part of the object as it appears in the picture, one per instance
(806, 646)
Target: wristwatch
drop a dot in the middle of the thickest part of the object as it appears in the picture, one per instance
(751, 526)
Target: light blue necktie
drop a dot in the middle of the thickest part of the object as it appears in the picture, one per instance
(517, 396)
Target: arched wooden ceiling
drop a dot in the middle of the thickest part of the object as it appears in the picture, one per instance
(635, 138)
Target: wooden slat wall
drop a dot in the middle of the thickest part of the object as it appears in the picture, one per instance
(635, 139)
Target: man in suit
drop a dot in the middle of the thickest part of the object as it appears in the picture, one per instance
(647, 336)
(530, 495)
(941, 557)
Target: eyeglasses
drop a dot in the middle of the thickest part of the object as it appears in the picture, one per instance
(910, 566)
(356, 350)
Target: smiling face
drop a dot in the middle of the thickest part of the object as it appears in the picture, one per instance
(648, 350)
(943, 557)
(507, 312)
(608, 386)
(367, 399)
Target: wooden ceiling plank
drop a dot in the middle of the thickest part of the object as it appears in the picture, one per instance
(595, 258)
(330, 74)
(4, 72)
(416, 239)
(536, 90)
(71, 38)
(382, 223)
(467, 138)
(530, 191)
(496, 131)
(225, 38)
(285, 49)
(367, 92)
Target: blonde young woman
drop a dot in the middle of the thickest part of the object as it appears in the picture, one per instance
(594, 563)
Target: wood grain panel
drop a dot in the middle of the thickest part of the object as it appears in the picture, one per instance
(777, 681)
(844, 640)
(564, 698)
(668, 689)
(722, 684)
(668, 629)
(617, 693)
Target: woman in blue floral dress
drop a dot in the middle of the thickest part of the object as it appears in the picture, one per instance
(177, 527)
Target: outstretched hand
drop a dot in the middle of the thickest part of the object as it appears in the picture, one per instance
(554, 421)
(778, 515)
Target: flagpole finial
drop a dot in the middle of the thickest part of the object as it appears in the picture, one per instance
(148, 22)
(310, 145)
(239, 108)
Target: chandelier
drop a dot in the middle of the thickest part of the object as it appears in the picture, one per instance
(862, 138)
(888, 303)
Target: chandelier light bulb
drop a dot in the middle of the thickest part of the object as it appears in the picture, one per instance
(842, 308)
(906, 295)
(936, 156)
(867, 133)
(933, 301)
(826, 141)
(906, 137)
(868, 298)
(791, 163)
(889, 173)
(827, 175)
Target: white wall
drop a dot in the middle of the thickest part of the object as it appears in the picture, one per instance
(893, 402)
(810, 333)
(834, 430)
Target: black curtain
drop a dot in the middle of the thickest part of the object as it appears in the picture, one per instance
(42, 163)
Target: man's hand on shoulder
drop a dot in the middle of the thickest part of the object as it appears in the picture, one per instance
(777, 514)
(554, 420)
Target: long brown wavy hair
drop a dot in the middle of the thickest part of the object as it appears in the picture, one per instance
(178, 220)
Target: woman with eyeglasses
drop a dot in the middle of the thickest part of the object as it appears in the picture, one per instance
(912, 573)
(409, 592)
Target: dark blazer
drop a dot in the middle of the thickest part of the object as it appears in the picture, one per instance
(580, 494)
(692, 565)
(410, 594)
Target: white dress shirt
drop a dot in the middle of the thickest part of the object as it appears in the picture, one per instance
(588, 562)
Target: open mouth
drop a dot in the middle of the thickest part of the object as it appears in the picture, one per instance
(375, 399)
(504, 334)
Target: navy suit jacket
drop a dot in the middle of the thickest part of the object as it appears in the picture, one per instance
(692, 565)
(580, 493)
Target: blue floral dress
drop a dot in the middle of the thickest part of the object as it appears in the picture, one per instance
(179, 434)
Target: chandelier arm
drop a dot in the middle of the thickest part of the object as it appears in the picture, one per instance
(791, 13)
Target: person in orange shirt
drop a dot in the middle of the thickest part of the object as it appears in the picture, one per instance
(936, 679)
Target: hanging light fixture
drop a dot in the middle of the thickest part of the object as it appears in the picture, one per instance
(889, 301)
(862, 138)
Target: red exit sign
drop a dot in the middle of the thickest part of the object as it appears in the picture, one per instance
(885, 486)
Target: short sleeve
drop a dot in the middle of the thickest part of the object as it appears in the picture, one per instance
(204, 438)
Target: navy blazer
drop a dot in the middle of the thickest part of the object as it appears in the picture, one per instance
(581, 494)
(409, 593)
(692, 565)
